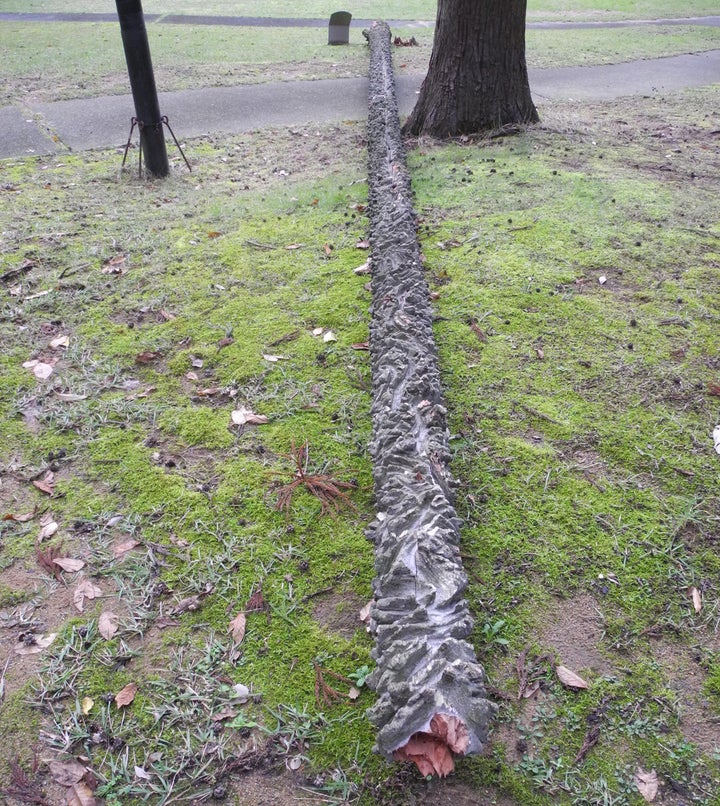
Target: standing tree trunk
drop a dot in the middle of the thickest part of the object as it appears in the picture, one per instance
(477, 79)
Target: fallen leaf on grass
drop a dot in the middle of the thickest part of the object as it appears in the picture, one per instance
(66, 773)
(139, 771)
(354, 693)
(647, 784)
(329, 336)
(167, 316)
(69, 397)
(245, 416)
(126, 695)
(146, 357)
(114, 265)
(327, 249)
(209, 392)
(365, 612)
(317, 331)
(363, 269)
(696, 597)
(107, 624)
(192, 376)
(40, 642)
(80, 794)
(226, 341)
(716, 438)
(86, 705)
(361, 345)
(40, 369)
(568, 678)
(714, 389)
(190, 603)
(226, 713)
(85, 589)
(164, 622)
(362, 244)
(48, 530)
(124, 547)
(69, 564)
(293, 246)
(60, 341)
(46, 484)
(237, 627)
(214, 234)
(24, 518)
(274, 358)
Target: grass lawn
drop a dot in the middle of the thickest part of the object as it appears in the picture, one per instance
(169, 347)
(392, 9)
(58, 61)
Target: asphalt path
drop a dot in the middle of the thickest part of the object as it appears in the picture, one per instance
(48, 128)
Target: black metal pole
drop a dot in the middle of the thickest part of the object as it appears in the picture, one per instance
(142, 83)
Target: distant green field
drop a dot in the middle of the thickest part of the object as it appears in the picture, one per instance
(390, 9)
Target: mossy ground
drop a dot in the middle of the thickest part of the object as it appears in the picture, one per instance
(581, 414)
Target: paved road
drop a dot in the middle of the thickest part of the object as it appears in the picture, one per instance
(47, 128)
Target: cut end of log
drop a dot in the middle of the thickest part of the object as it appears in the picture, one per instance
(432, 752)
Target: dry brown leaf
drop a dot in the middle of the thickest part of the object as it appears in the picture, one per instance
(226, 713)
(48, 530)
(214, 234)
(209, 392)
(41, 642)
(69, 397)
(354, 693)
(24, 518)
(126, 695)
(361, 345)
(122, 548)
(46, 484)
(568, 678)
(167, 315)
(147, 357)
(362, 245)
(226, 341)
(80, 794)
(647, 784)
(192, 376)
(237, 627)
(86, 705)
(365, 612)
(108, 624)
(243, 416)
(66, 773)
(69, 564)
(60, 341)
(293, 246)
(190, 603)
(696, 597)
(164, 622)
(85, 589)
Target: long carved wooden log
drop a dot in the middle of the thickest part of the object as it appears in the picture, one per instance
(431, 696)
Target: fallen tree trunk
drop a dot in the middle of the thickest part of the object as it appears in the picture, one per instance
(431, 696)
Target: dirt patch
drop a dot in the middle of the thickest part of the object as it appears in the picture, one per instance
(698, 723)
(573, 629)
(339, 613)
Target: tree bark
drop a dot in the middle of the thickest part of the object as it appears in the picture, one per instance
(477, 78)
(431, 696)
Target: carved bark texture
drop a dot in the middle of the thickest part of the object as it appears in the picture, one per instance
(477, 78)
(430, 686)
